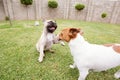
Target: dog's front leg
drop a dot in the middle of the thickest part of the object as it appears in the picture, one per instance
(83, 73)
(117, 74)
(56, 40)
(40, 59)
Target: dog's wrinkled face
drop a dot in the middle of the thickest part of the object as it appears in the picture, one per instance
(50, 26)
(69, 33)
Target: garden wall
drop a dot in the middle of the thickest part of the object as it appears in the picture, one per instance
(65, 10)
(2, 12)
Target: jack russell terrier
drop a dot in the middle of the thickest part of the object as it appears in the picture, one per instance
(88, 56)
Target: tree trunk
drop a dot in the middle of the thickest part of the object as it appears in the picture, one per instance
(27, 15)
(9, 14)
(27, 11)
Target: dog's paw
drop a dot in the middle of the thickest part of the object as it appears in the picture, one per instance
(62, 43)
(40, 59)
(71, 66)
(52, 51)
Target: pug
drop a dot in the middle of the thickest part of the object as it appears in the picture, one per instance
(47, 38)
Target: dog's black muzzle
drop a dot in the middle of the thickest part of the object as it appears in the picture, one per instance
(51, 27)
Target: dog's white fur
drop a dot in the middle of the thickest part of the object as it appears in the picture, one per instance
(91, 56)
(94, 57)
(46, 41)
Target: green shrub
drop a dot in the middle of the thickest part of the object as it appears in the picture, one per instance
(7, 18)
(79, 6)
(26, 2)
(103, 15)
(52, 4)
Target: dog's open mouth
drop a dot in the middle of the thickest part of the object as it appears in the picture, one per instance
(52, 28)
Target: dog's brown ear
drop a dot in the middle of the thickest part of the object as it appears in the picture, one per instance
(80, 31)
(73, 32)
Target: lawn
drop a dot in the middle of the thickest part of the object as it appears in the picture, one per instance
(19, 58)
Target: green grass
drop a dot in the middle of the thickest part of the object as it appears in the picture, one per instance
(19, 58)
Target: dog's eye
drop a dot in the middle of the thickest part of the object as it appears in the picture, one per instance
(49, 26)
(61, 34)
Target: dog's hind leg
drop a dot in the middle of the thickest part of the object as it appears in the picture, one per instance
(48, 47)
(40, 59)
(117, 74)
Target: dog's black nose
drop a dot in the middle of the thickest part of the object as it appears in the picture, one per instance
(59, 39)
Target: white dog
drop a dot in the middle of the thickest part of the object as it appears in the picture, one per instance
(88, 56)
(47, 38)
